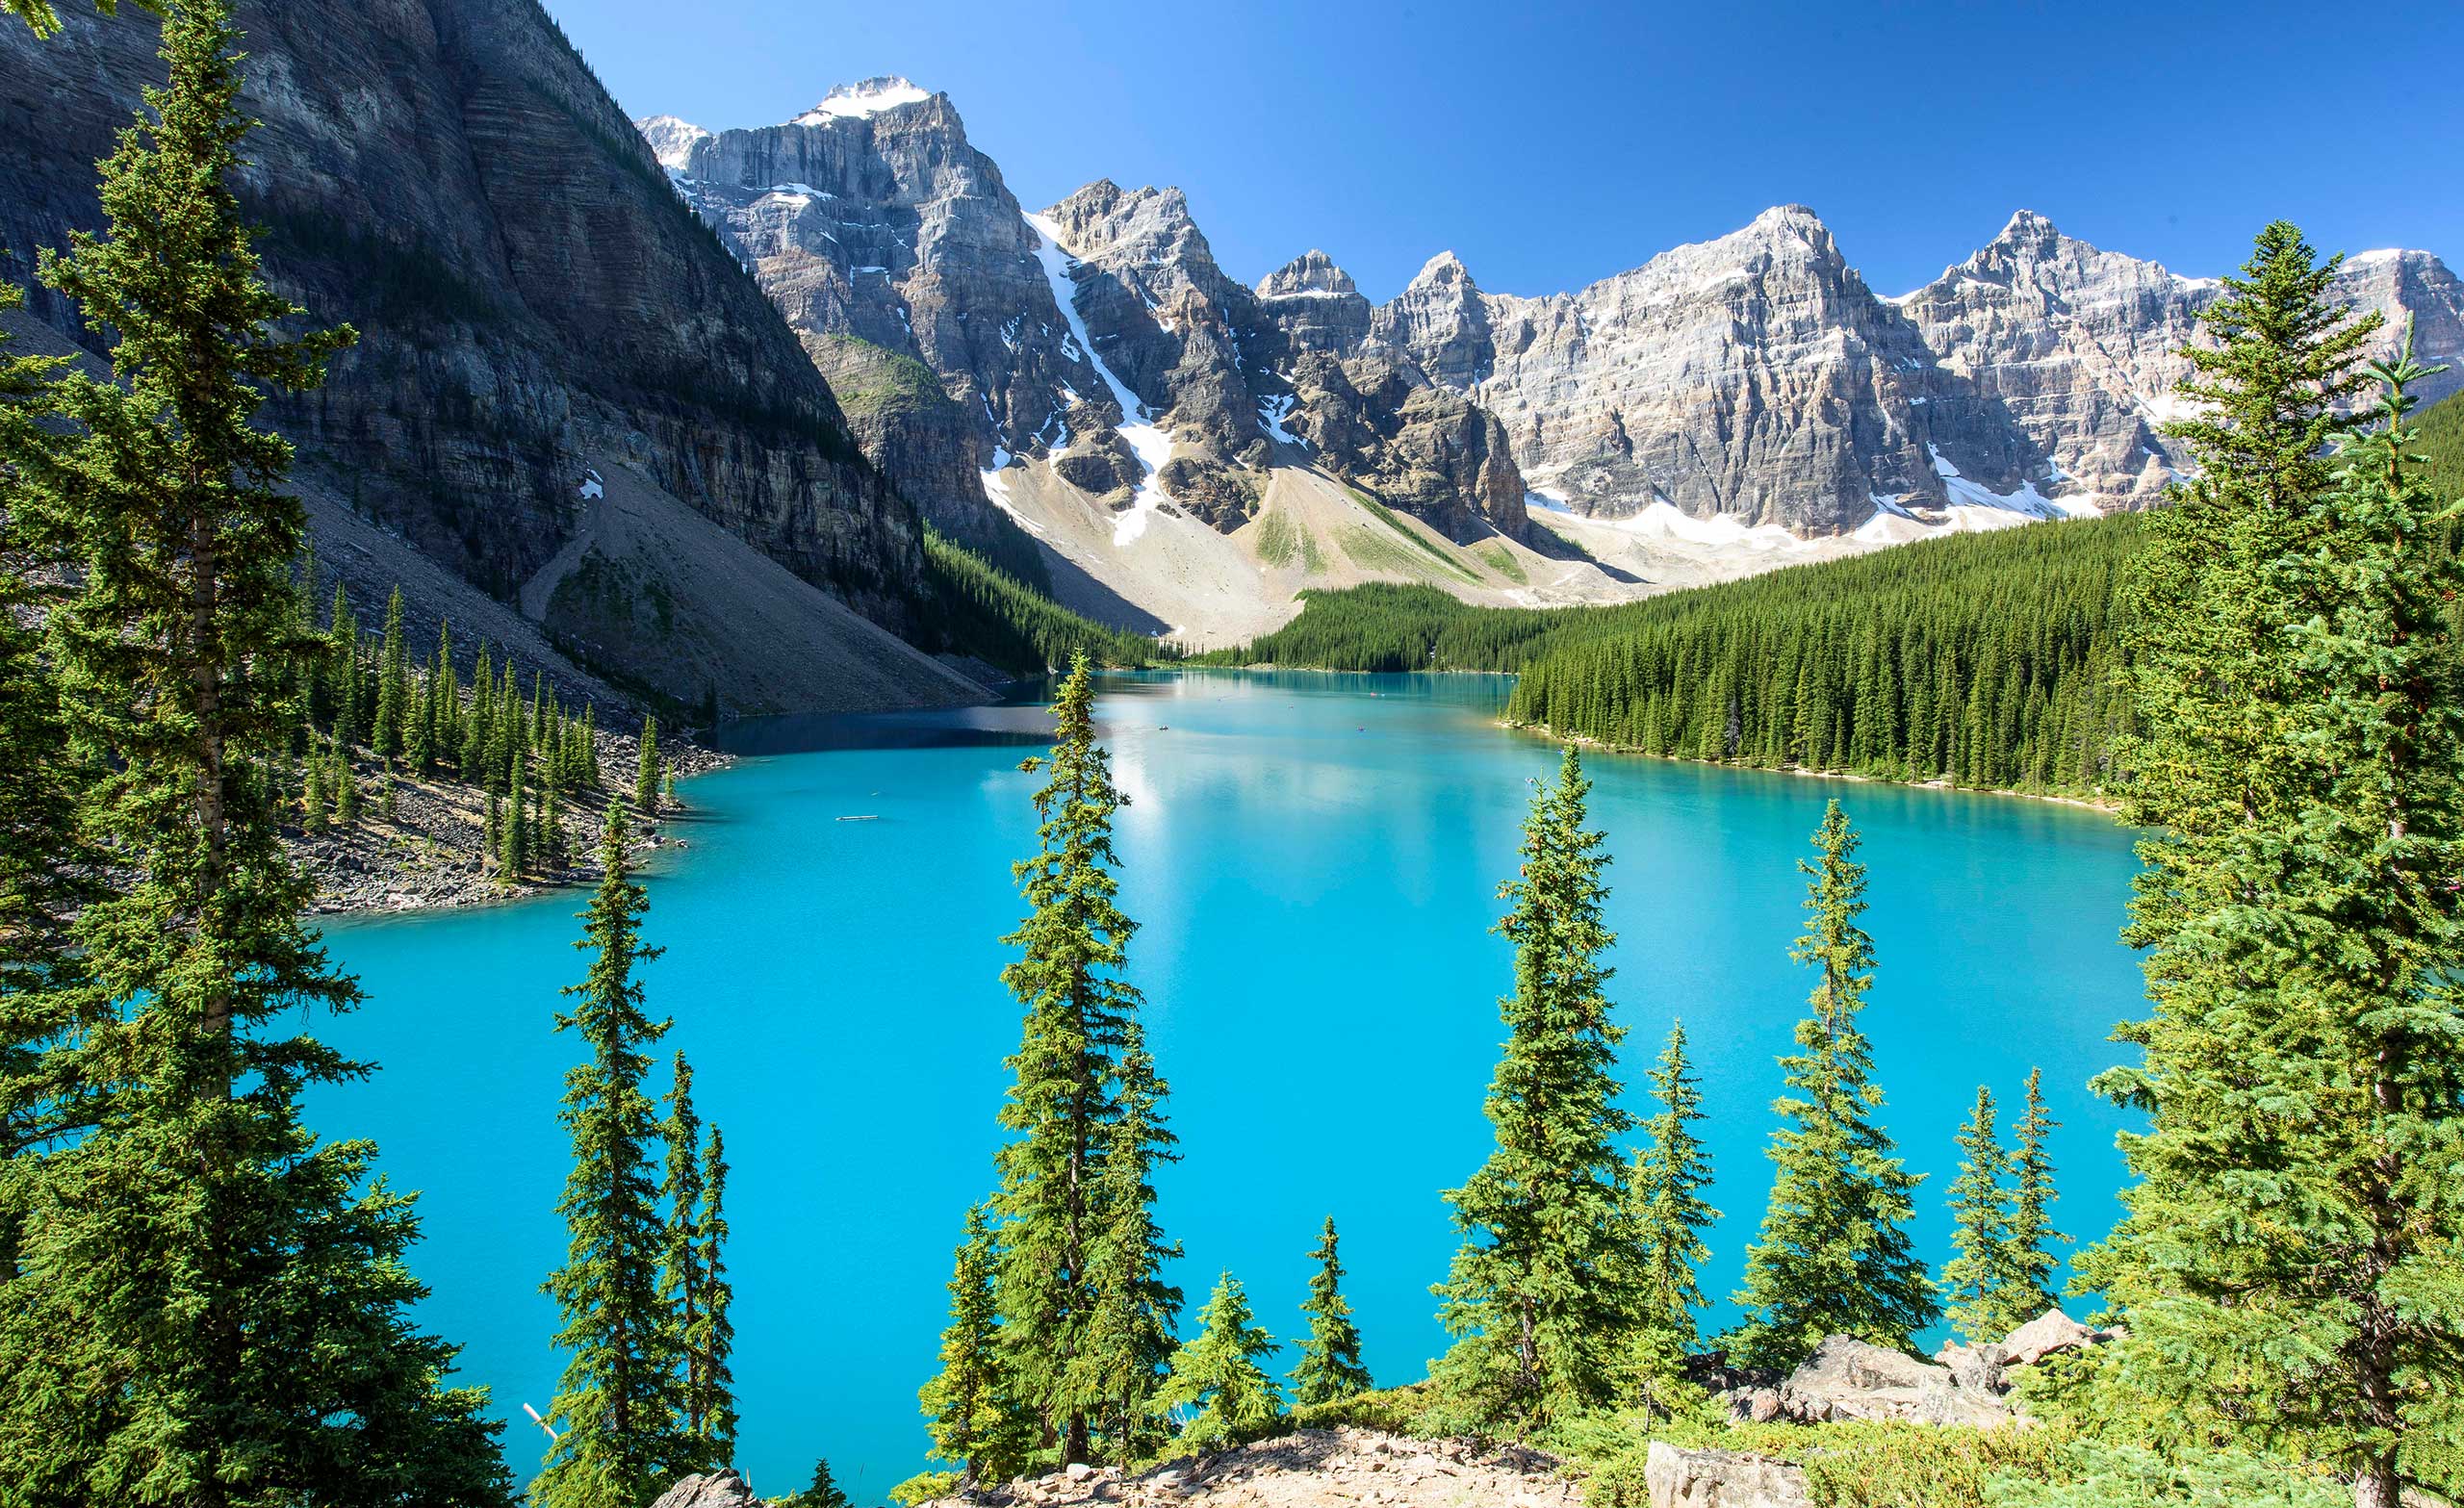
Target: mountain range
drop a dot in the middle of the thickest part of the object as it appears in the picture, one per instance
(672, 409)
(1120, 395)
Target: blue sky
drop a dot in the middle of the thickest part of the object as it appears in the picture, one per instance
(1550, 144)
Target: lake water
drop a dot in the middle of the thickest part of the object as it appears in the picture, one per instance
(1314, 860)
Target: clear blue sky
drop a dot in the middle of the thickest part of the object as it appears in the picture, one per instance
(1553, 143)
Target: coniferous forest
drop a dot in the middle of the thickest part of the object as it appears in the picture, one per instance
(205, 1304)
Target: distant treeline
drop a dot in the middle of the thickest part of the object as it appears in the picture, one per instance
(987, 612)
(1984, 659)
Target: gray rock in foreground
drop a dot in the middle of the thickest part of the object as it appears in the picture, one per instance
(713, 1489)
(1721, 1479)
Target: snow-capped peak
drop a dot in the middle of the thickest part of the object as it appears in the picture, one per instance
(854, 101)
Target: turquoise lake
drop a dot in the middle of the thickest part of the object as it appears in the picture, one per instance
(1314, 861)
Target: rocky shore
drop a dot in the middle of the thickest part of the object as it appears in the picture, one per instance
(430, 853)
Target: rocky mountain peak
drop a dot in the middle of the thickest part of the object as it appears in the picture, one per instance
(862, 100)
(671, 139)
(1312, 272)
(1445, 270)
(2028, 227)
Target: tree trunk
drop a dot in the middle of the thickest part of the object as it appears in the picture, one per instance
(2375, 1485)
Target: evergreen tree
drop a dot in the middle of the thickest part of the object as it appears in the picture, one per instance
(346, 783)
(1217, 1374)
(2027, 1288)
(473, 754)
(1534, 1295)
(312, 801)
(968, 1407)
(618, 1398)
(419, 740)
(514, 834)
(682, 1289)
(1973, 1281)
(824, 1493)
(553, 852)
(1669, 1213)
(646, 773)
(2288, 1258)
(1329, 1368)
(1834, 1256)
(1129, 1337)
(207, 1306)
(393, 686)
(709, 1343)
(1064, 1094)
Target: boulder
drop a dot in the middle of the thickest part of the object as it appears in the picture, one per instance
(711, 1490)
(2048, 1333)
(1846, 1378)
(1982, 1368)
(1721, 1479)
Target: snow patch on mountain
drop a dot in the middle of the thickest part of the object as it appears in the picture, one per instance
(856, 101)
(1152, 446)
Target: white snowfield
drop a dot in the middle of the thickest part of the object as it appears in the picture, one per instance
(856, 101)
(1152, 446)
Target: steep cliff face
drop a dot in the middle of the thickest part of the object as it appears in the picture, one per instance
(1097, 337)
(1756, 378)
(533, 301)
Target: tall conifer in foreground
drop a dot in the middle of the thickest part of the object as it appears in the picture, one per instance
(967, 1405)
(2027, 1287)
(646, 771)
(1833, 1256)
(210, 1307)
(618, 1403)
(2289, 1260)
(682, 1288)
(1329, 1366)
(1065, 1094)
(1670, 1214)
(710, 1342)
(1217, 1374)
(1973, 1281)
(1129, 1337)
(1536, 1296)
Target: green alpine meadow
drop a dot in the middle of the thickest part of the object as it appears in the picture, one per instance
(707, 816)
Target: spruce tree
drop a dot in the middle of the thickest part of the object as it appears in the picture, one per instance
(1329, 1369)
(1973, 1282)
(646, 770)
(1065, 1091)
(619, 1399)
(682, 1288)
(513, 832)
(1129, 1337)
(2288, 1258)
(824, 1493)
(968, 1406)
(1535, 1297)
(2027, 1287)
(1833, 1256)
(346, 783)
(709, 1343)
(393, 686)
(1669, 1213)
(1217, 1374)
(419, 738)
(208, 1306)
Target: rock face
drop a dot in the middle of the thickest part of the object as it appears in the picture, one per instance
(714, 1489)
(1309, 1468)
(1099, 336)
(1756, 375)
(1849, 1379)
(1721, 1479)
(447, 176)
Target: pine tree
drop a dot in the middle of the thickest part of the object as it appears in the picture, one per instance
(709, 1343)
(209, 1306)
(824, 1493)
(682, 1291)
(419, 739)
(346, 783)
(1217, 1374)
(393, 686)
(618, 1398)
(1669, 1213)
(1129, 1337)
(1973, 1281)
(1833, 1256)
(646, 773)
(2288, 1260)
(514, 833)
(2027, 1288)
(968, 1405)
(1065, 1094)
(1535, 1296)
(1329, 1369)
(472, 755)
